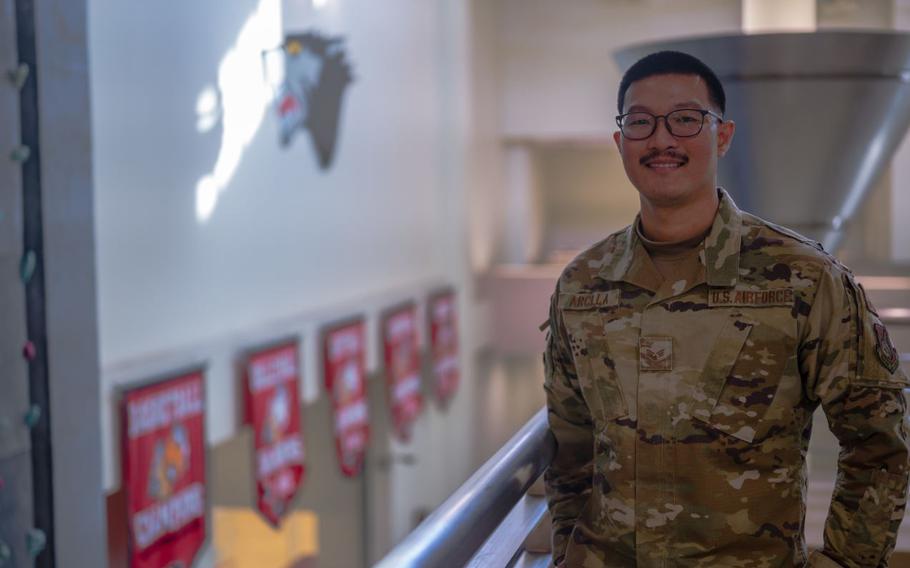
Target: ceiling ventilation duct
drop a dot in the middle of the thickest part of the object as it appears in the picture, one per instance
(818, 117)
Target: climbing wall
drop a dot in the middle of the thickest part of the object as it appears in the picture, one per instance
(16, 516)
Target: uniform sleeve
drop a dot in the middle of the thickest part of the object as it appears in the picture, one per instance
(853, 369)
(568, 479)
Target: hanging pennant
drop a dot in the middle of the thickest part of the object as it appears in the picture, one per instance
(442, 312)
(345, 380)
(164, 471)
(402, 368)
(273, 411)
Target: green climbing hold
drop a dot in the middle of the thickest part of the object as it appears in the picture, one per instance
(20, 153)
(27, 266)
(33, 415)
(19, 75)
(35, 541)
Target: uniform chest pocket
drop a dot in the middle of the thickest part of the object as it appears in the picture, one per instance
(743, 372)
(595, 360)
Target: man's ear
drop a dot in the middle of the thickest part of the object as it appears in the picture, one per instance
(725, 132)
(617, 138)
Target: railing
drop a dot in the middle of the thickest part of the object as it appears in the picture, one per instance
(486, 521)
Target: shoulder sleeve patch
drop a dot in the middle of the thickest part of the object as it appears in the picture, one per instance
(884, 348)
(878, 359)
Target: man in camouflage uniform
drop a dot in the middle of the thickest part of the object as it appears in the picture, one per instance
(687, 354)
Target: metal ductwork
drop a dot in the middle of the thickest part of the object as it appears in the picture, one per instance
(818, 117)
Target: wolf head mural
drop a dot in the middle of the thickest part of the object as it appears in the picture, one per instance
(316, 75)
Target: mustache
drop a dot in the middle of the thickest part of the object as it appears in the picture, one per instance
(663, 154)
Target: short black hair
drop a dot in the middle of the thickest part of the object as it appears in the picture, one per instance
(672, 63)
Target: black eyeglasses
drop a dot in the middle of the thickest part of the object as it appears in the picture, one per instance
(682, 123)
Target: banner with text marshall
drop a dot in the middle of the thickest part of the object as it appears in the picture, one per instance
(442, 311)
(164, 470)
(402, 368)
(345, 380)
(273, 411)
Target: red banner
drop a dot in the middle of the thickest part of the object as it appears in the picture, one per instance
(345, 379)
(444, 345)
(402, 368)
(164, 471)
(273, 410)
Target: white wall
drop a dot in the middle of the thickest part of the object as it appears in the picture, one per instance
(523, 235)
(284, 236)
(487, 187)
(559, 77)
(287, 247)
(778, 15)
(854, 14)
(587, 195)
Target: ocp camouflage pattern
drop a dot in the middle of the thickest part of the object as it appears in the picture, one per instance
(682, 409)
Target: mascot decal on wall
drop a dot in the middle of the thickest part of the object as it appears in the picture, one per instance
(316, 75)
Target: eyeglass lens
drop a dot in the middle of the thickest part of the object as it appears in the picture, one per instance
(640, 125)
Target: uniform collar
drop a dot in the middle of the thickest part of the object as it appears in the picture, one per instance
(723, 243)
(631, 263)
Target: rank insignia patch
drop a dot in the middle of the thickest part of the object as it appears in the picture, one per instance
(655, 354)
(884, 349)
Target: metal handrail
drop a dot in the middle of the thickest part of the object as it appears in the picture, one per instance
(458, 528)
(506, 546)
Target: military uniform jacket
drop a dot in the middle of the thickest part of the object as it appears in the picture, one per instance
(682, 409)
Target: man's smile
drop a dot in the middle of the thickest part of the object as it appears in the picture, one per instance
(664, 162)
(664, 165)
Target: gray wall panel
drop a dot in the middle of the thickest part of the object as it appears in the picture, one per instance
(69, 263)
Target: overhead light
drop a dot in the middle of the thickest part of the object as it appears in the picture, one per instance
(319, 4)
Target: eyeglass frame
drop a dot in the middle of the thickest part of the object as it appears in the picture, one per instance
(704, 113)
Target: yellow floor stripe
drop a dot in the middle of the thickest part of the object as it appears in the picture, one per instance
(243, 539)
